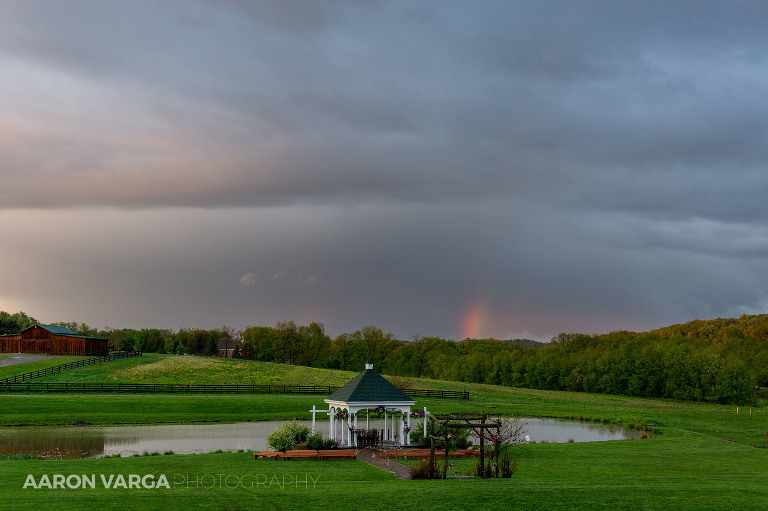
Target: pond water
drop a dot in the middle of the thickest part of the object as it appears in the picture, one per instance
(90, 441)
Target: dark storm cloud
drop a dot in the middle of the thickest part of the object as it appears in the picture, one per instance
(554, 165)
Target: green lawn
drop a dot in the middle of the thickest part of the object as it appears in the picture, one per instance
(677, 471)
(27, 367)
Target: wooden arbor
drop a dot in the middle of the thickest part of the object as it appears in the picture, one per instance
(479, 423)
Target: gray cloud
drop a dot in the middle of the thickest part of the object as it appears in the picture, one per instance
(548, 166)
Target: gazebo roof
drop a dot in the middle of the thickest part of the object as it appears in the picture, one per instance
(369, 387)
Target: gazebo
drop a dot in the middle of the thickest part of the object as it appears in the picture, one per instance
(368, 391)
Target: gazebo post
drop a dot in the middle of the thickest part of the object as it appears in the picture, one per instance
(313, 419)
(354, 434)
(407, 434)
(386, 426)
(425, 422)
(332, 422)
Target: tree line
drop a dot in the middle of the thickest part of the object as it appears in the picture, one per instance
(721, 360)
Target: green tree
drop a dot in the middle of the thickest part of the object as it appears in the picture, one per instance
(15, 323)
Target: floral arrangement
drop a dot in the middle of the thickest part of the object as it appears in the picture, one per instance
(342, 415)
(417, 414)
(380, 410)
(495, 438)
(406, 428)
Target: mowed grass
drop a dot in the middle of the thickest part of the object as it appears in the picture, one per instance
(44, 362)
(680, 471)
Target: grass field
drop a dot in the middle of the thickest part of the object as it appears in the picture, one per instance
(43, 363)
(153, 368)
(702, 460)
(675, 471)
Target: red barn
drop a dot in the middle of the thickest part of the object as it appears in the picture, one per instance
(52, 340)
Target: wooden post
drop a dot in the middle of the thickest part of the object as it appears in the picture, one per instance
(445, 462)
(496, 447)
(482, 447)
(431, 452)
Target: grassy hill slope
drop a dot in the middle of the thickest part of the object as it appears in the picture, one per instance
(152, 368)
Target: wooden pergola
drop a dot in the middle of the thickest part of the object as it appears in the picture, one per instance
(479, 423)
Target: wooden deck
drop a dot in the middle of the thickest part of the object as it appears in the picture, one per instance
(300, 454)
(424, 453)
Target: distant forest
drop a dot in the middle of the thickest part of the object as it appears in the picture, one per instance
(719, 360)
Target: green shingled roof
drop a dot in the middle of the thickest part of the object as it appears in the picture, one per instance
(61, 330)
(369, 386)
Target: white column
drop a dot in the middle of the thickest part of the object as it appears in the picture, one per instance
(408, 423)
(425, 423)
(400, 430)
(386, 425)
(394, 429)
(354, 435)
(313, 419)
(332, 432)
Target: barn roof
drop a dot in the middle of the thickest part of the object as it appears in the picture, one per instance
(61, 330)
(369, 386)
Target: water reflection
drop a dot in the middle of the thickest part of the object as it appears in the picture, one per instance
(89, 441)
(66, 443)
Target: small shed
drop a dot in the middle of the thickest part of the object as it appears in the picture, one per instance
(369, 391)
(53, 340)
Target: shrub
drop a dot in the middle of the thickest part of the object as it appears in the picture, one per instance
(508, 465)
(426, 469)
(485, 471)
(315, 441)
(288, 436)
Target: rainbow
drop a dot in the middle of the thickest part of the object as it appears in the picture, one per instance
(474, 318)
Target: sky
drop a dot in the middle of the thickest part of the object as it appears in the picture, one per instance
(507, 169)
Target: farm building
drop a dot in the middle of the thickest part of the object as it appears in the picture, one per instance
(52, 340)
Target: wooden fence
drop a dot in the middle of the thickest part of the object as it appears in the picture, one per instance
(173, 388)
(17, 384)
(69, 365)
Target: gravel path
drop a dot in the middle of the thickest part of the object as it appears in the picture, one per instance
(20, 358)
(372, 458)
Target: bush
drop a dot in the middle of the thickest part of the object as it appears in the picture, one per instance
(287, 436)
(508, 465)
(315, 441)
(425, 469)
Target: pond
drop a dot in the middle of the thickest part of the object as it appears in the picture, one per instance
(91, 441)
